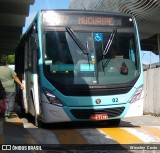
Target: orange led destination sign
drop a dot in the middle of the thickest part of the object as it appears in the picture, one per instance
(96, 21)
(59, 19)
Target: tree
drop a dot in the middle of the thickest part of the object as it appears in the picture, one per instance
(9, 59)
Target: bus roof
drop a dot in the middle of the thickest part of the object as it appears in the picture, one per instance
(86, 11)
(84, 18)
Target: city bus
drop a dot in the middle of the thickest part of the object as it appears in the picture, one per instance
(79, 65)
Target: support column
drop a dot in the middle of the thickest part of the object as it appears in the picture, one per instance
(158, 42)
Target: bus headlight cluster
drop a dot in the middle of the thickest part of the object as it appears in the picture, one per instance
(52, 98)
(136, 96)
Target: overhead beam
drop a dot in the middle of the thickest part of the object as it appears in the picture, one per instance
(14, 8)
(8, 51)
(12, 20)
(10, 35)
(11, 29)
(30, 2)
(5, 45)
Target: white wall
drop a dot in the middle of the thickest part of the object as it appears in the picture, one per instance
(152, 91)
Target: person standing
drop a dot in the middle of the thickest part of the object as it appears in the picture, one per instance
(7, 77)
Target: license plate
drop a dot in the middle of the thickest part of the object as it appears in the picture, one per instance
(98, 117)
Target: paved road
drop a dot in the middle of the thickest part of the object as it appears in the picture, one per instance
(135, 130)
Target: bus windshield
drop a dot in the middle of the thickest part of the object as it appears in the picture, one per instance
(65, 63)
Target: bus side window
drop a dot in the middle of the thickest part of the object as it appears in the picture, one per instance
(131, 51)
(26, 55)
(132, 55)
(30, 52)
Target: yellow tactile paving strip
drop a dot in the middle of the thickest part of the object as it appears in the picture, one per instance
(69, 136)
(121, 136)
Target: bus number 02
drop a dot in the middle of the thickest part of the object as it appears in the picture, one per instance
(115, 100)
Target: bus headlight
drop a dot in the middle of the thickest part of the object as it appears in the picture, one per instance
(136, 96)
(52, 98)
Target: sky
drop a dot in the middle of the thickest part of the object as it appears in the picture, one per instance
(44, 4)
(148, 57)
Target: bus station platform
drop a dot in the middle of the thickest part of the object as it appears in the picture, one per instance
(14, 134)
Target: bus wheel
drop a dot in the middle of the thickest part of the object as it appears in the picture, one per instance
(23, 113)
(41, 124)
(36, 120)
(114, 122)
(21, 103)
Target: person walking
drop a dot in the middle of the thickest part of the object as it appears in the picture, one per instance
(7, 77)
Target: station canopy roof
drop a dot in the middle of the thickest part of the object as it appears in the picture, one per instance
(14, 12)
(12, 20)
(147, 13)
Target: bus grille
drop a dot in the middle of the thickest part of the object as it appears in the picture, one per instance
(86, 113)
(93, 92)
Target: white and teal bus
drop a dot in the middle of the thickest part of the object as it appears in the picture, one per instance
(81, 65)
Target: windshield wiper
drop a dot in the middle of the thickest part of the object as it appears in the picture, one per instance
(77, 41)
(109, 42)
(107, 48)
